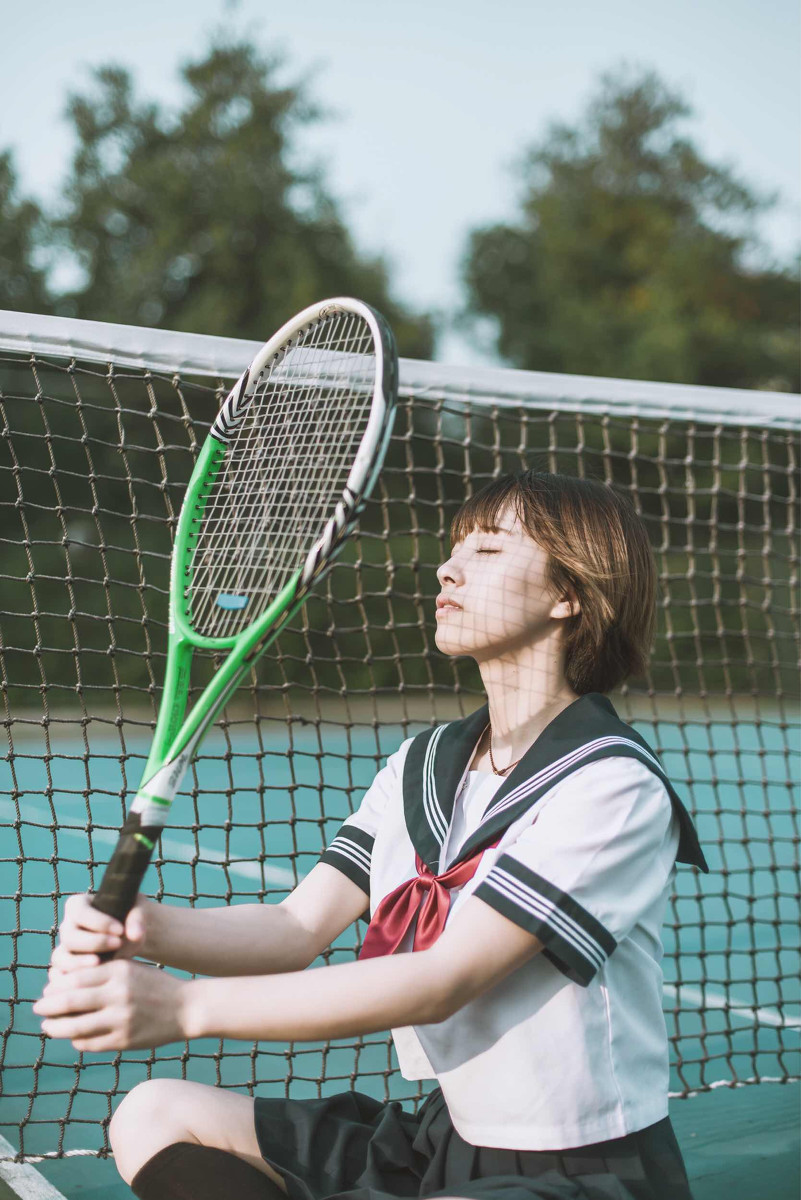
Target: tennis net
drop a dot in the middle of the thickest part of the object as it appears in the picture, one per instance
(100, 425)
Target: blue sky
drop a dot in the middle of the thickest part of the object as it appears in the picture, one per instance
(432, 101)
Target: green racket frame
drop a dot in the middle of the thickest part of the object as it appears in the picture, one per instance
(177, 736)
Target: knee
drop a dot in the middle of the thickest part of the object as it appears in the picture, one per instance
(144, 1123)
(145, 1106)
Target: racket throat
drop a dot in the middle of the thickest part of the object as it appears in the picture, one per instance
(156, 794)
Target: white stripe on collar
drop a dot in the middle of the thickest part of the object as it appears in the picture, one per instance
(536, 781)
(431, 804)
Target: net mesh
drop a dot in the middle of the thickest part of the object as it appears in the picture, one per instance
(100, 429)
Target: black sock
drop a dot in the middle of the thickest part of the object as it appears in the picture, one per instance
(187, 1171)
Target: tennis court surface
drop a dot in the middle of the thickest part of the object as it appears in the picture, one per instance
(100, 425)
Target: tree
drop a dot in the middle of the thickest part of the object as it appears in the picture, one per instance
(632, 256)
(202, 220)
(22, 282)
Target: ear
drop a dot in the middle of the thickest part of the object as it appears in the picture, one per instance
(567, 607)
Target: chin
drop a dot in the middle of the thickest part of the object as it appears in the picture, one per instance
(449, 642)
(454, 642)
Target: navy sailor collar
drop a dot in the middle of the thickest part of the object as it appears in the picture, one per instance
(587, 730)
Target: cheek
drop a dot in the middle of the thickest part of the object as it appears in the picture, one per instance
(514, 598)
(513, 582)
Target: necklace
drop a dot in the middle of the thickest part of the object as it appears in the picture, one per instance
(504, 770)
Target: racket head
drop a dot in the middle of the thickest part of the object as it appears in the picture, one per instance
(289, 462)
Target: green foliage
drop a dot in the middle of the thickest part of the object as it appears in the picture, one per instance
(632, 256)
(22, 282)
(202, 220)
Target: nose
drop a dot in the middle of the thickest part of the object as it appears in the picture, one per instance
(449, 572)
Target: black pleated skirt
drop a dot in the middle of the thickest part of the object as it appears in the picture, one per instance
(351, 1147)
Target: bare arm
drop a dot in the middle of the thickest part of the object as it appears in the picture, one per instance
(255, 939)
(476, 951)
(339, 1001)
(243, 939)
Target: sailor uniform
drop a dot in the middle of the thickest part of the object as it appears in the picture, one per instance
(578, 845)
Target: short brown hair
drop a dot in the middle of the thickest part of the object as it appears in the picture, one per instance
(599, 546)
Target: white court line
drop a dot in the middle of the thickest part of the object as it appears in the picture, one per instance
(739, 1008)
(246, 868)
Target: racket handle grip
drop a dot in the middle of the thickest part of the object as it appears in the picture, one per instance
(123, 876)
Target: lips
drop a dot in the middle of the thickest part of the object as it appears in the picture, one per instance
(444, 602)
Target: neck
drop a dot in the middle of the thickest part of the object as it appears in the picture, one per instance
(526, 689)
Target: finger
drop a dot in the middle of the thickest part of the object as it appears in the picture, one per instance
(90, 976)
(80, 991)
(56, 1002)
(65, 963)
(57, 976)
(135, 925)
(95, 1044)
(86, 977)
(88, 941)
(94, 1024)
(81, 911)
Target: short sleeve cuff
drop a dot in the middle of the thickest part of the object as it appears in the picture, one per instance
(575, 942)
(351, 852)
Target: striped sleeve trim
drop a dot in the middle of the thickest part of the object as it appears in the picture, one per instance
(351, 852)
(574, 940)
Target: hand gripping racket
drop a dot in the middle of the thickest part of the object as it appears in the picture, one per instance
(277, 488)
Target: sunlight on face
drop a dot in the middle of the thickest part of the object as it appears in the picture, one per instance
(498, 580)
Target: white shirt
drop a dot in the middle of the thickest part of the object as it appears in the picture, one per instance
(571, 1048)
(478, 789)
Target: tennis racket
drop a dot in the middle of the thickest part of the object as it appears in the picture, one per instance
(278, 485)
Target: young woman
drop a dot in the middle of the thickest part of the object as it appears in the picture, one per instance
(517, 865)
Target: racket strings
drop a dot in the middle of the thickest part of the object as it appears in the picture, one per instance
(289, 435)
(297, 446)
(284, 473)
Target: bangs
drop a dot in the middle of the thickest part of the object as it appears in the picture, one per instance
(598, 548)
(483, 509)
